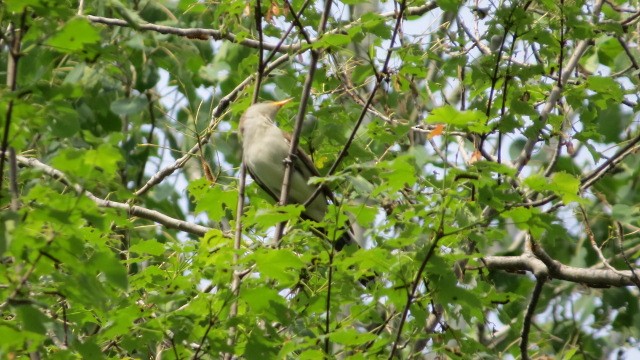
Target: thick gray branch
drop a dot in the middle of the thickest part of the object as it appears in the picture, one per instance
(587, 277)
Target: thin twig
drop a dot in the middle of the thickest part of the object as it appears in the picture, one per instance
(194, 33)
(260, 74)
(412, 293)
(13, 180)
(204, 336)
(609, 164)
(594, 244)
(528, 318)
(146, 151)
(620, 236)
(12, 76)
(297, 22)
(630, 55)
(205, 34)
(23, 280)
(237, 241)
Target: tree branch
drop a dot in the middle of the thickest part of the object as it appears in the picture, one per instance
(205, 34)
(596, 278)
(132, 210)
(528, 318)
(12, 82)
(194, 33)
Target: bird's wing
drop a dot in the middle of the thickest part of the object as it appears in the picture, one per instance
(273, 193)
(305, 165)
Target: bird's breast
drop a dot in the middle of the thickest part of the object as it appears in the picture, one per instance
(264, 153)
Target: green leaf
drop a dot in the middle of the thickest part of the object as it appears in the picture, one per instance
(312, 354)
(537, 182)
(278, 264)
(33, 320)
(448, 5)
(122, 322)
(351, 337)
(12, 338)
(260, 347)
(473, 120)
(398, 173)
(216, 200)
(605, 86)
(88, 349)
(376, 24)
(151, 247)
(75, 35)
(18, 6)
(262, 299)
(129, 106)
(65, 122)
(332, 40)
(566, 186)
(105, 157)
(520, 216)
(270, 216)
(114, 271)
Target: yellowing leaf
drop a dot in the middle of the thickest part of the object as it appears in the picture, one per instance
(438, 130)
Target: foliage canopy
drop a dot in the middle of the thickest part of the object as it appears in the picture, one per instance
(488, 150)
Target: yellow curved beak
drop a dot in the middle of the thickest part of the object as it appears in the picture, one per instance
(282, 102)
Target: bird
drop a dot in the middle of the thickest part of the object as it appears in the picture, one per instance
(264, 150)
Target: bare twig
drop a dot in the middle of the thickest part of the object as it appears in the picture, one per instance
(12, 76)
(13, 180)
(194, 33)
(412, 293)
(297, 22)
(204, 34)
(237, 241)
(258, 20)
(620, 236)
(212, 321)
(291, 26)
(600, 171)
(528, 318)
(592, 241)
(592, 177)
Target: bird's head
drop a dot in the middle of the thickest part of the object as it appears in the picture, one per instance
(260, 112)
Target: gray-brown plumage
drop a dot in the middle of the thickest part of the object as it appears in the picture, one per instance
(265, 147)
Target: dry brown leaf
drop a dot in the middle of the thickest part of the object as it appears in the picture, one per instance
(475, 157)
